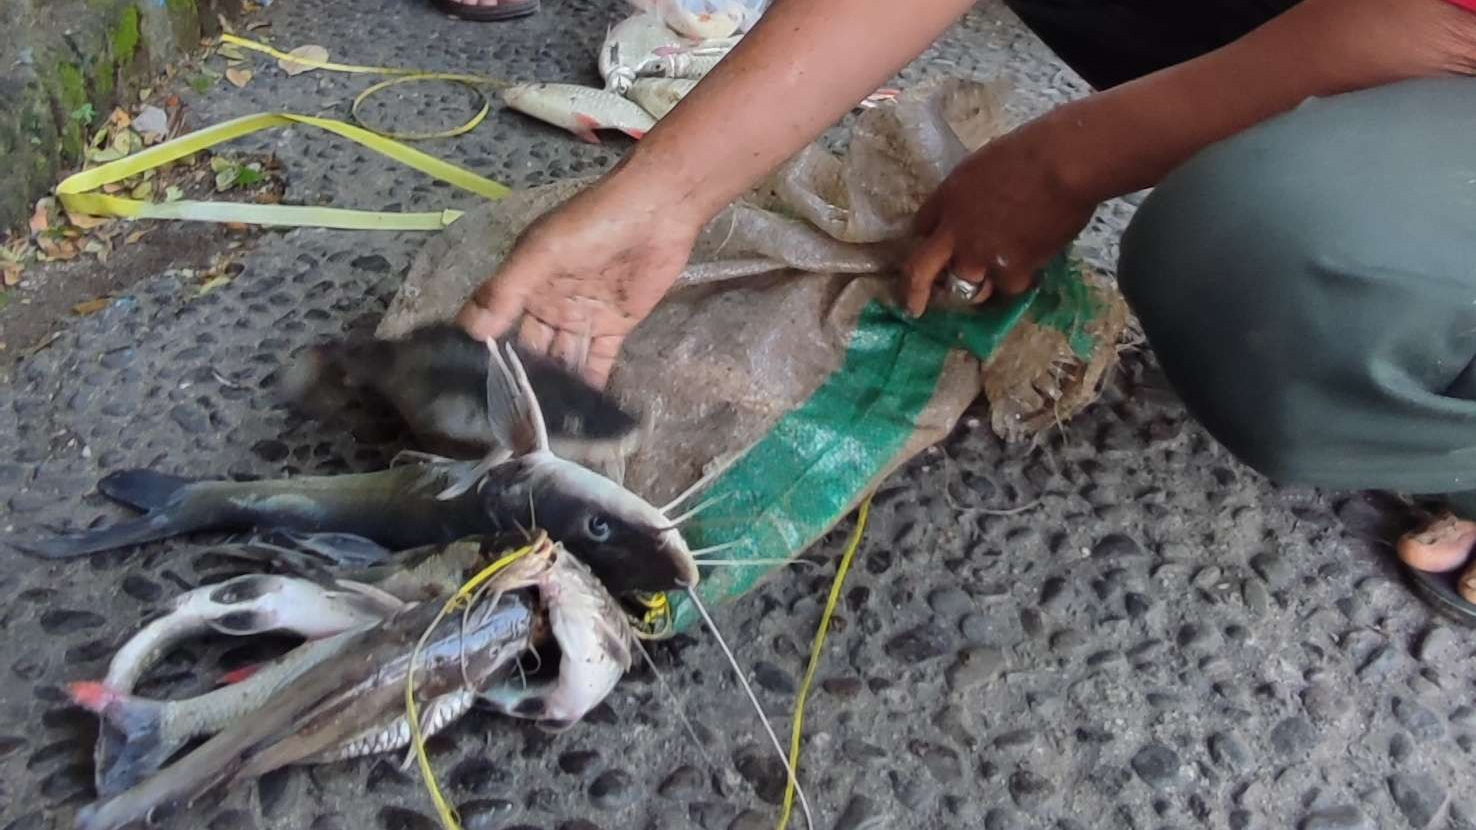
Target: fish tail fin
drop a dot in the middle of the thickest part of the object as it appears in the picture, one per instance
(137, 718)
(141, 489)
(152, 526)
(140, 721)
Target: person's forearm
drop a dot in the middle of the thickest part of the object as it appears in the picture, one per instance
(1129, 137)
(802, 67)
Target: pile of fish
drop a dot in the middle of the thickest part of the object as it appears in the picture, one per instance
(360, 566)
(648, 68)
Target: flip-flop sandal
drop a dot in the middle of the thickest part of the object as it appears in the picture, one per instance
(1440, 590)
(504, 10)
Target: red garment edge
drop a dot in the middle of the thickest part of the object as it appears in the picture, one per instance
(1468, 5)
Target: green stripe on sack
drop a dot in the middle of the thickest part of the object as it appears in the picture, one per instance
(800, 479)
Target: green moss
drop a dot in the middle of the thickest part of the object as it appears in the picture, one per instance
(125, 37)
(73, 94)
(181, 6)
(73, 86)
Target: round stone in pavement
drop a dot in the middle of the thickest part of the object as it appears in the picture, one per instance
(1157, 765)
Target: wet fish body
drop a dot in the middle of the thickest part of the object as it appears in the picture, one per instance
(310, 602)
(629, 543)
(436, 378)
(595, 640)
(579, 109)
(396, 507)
(632, 42)
(356, 686)
(660, 96)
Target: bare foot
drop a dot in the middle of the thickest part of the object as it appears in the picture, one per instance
(1466, 587)
(1440, 547)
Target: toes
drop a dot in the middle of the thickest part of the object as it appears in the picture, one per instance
(1466, 586)
(1439, 547)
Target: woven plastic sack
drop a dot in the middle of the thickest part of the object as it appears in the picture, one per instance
(782, 356)
(705, 19)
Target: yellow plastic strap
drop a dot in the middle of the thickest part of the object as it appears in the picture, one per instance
(474, 82)
(804, 690)
(444, 810)
(75, 193)
(362, 70)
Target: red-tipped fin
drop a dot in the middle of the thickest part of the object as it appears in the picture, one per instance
(586, 127)
(91, 695)
(237, 675)
(635, 134)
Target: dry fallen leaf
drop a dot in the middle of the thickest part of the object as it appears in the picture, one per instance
(91, 306)
(120, 118)
(45, 341)
(238, 77)
(311, 52)
(85, 222)
(210, 285)
(231, 51)
(136, 235)
(40, 222)
(10, 272)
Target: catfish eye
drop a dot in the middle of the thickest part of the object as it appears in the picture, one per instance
(596, 528)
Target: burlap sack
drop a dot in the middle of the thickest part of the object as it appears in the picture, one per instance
(781, 346)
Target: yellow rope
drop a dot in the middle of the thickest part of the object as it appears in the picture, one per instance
(444, 810)
(474, 82)
(804, 690)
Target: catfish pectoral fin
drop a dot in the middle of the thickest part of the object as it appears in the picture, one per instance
(343, 549)
(147, 528)
(141, 489)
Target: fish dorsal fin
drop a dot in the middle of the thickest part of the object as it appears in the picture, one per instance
(512, 409)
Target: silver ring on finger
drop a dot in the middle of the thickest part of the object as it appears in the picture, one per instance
(962, 289)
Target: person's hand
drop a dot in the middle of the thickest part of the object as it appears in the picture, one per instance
(997, 219)
(581, 277)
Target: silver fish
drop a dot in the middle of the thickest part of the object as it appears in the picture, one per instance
(356, 682)
(579, 109)
(595, 637)
(629, 44)
(690, 64)
(628, 542)
(660, 96)
(311, 601)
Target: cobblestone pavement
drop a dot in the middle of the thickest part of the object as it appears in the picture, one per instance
(1162, 641)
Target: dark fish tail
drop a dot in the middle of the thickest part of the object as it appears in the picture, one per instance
(143, 749)
(220, 758)
(150, 527)
(141, 489)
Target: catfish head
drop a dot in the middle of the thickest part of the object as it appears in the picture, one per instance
(628, 543)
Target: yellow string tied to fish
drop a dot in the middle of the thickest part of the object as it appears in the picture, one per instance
(815, 648)
(463, 595)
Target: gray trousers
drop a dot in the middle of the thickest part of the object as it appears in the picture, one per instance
(1309, 287)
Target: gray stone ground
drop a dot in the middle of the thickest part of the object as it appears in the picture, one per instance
(1164, 641)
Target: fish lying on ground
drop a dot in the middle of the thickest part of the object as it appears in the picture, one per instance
(436, 378)
(632, 42)
(579, 109)
(351, 688)
(310, 601)
(630, 544)
(594, 636)
(363, 713)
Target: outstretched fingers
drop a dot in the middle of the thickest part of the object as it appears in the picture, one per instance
(493, 309)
